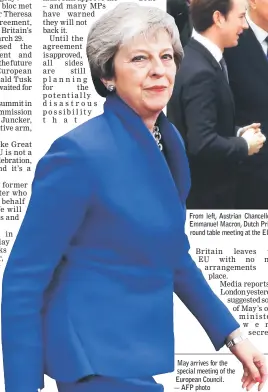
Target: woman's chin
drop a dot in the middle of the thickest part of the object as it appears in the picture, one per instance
(157, 105)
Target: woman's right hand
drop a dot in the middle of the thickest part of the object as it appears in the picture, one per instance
(254, 364)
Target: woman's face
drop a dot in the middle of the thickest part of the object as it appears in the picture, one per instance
(145, 72)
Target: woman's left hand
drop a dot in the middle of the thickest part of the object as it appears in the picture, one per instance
(254, 364)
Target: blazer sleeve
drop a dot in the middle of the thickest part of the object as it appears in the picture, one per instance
(60, 197)
(199, 99)
(193, 290)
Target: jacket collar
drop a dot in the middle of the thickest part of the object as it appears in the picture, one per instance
(174, 163)
(209, 45)
(260, 34)
(194, 44)
(197, 46)
(254, 53)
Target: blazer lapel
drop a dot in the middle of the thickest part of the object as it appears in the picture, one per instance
(169, 176)
(176, 156)
(213, 62)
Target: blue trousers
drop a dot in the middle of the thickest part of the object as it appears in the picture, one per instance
(109, 384)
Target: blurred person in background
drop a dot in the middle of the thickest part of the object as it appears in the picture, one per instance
(180, 11)
(88, 288)
(248, 74)
(202, 105)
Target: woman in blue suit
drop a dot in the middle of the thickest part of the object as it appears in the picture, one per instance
(88, 288)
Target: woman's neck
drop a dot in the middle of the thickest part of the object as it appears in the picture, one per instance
(150, 121)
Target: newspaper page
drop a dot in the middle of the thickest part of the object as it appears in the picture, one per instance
(45, 91)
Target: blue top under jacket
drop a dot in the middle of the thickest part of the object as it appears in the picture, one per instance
(88, 287)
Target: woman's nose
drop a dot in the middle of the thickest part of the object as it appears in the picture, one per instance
(157, 68)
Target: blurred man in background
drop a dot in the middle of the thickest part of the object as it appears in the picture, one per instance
(179, 9)
(202, 106)
(248, 74)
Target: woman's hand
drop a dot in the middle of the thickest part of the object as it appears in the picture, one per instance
(254, 364)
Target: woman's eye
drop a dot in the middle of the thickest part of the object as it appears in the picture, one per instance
(167, 56)
(138, 58)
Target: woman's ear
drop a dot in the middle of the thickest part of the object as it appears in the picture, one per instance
(109, 84)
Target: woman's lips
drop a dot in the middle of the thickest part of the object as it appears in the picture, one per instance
(157, 88)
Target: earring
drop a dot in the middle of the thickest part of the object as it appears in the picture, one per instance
(111, 88)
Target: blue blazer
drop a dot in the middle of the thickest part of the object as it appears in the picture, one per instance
(88, 288)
